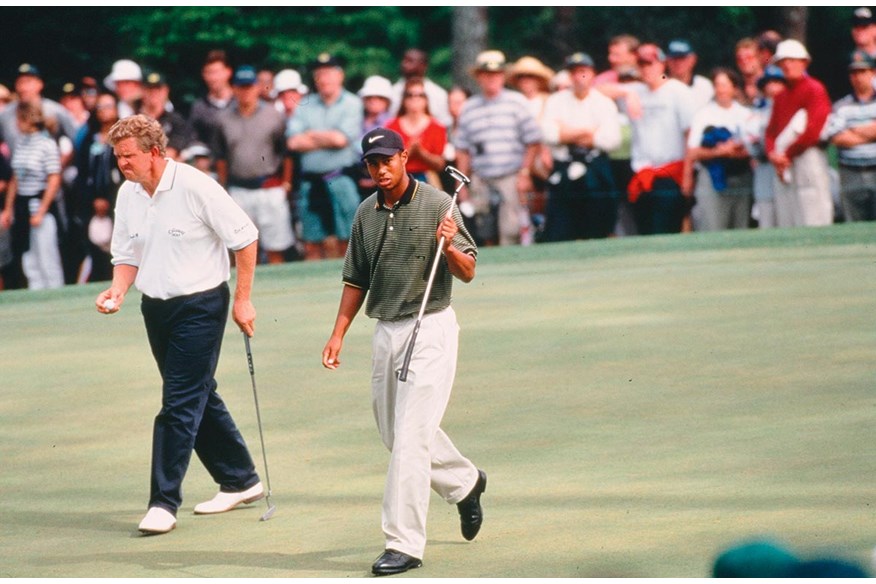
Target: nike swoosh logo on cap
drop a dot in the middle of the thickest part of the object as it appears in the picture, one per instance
(373, 138)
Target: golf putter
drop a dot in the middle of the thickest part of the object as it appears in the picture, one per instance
(463, 180)
(271, 507)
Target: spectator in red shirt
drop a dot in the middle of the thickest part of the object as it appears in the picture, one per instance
(423, 136)
(793, 142)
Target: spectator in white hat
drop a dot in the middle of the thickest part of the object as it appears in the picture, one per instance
(289, 90)
(803, 195)
(376, 94)
(126, 81)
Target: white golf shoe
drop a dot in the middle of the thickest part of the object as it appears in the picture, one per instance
(223, 502)
(157, 521)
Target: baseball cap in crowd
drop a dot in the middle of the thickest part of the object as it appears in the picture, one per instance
(154, 79)
(289, 80)
(790, 49)
(245, 75)
(678, 48)
(28, 69)
(123, 70)
(195, 150)
(68, 89)
(381, 142)
(862, 17)
(489, 61)
(376, 86)
(650, 53)
(771, 73)
(578, 59)
(861, 60)
(326, 60)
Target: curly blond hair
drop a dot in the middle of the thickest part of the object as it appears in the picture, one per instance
(145, 130)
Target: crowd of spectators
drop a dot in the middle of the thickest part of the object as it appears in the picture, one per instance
(651, 145)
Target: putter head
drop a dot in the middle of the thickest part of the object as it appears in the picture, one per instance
(457, 174)
(269, 513)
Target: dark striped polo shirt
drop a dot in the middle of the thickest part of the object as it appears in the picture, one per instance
(391, 252)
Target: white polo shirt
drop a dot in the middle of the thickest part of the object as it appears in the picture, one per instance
(179, 237)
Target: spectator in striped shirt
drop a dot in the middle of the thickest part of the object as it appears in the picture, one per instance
(496, 143)
(30, 211)
(852, 129)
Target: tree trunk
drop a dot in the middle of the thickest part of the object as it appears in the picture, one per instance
(794, 20)
(469, 30)
(566, 38)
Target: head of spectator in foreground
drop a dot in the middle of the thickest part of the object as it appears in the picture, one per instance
(290, 89)
(328, 76)
(863, 28)
(246, 88)
(489, 72)
(376, 94)
(28, 83)
(530, 76)
(747, 59)
(414, 63)
(125, 80)
(862, 72)
(216, 72)
(727, 84)
(29, 117)
(581, 70)
(793, 59)
(652, 65)
(622, 52)
(771, 82)
(681, 60)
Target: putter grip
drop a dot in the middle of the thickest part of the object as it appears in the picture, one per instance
(403, 373)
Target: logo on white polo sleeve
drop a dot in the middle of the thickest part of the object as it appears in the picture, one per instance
(175, 232)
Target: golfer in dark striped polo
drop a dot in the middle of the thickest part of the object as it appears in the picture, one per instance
(394, 238)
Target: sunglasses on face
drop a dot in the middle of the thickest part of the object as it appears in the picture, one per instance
(415, 95)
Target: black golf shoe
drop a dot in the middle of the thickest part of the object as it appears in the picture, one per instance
(471, 515)
(394, 562)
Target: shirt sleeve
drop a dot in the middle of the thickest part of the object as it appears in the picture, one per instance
(608, 133)
(122, 246)
(224, 216)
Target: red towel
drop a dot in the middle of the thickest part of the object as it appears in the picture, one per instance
(643, 181)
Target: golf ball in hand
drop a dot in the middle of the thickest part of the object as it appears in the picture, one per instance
(109, 304)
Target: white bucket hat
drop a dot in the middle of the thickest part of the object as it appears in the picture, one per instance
(123, 70)
(790, 49)
(376, 86)
(288, 80)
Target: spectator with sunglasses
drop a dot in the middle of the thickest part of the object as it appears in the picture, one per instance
(424, 137)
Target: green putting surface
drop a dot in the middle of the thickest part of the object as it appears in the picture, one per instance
(639, 405)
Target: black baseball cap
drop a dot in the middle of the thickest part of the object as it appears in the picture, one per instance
(326, 60)
(28, 69)
(862, 17)
(381, 142)
(154, 79)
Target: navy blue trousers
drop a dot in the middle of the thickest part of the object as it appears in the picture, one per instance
(185, 334)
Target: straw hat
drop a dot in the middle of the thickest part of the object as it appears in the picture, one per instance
(532, 67)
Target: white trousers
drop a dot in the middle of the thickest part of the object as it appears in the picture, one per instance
(806, 200)
(408, 417)
(41, 264)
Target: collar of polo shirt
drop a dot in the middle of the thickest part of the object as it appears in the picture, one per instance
(410, 192)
